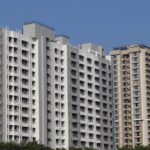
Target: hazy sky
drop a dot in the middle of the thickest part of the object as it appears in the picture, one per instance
(104, 22)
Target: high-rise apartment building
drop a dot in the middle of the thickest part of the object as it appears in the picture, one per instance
(53, 92)
(131, 95)
(75, 92)
(90, 98)
(19, 87)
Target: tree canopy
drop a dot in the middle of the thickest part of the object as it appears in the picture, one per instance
(23, 146)
(31, 146)
(136, 148)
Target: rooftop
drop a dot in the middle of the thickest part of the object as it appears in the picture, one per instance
(38, 23)
(62, 35)
(125, 47)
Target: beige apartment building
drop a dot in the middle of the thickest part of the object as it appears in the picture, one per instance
(131, 95)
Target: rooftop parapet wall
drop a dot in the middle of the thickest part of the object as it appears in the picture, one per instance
(129, 48)
(62, 39)
(89, 46)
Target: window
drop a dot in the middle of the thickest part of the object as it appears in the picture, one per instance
(24, 44)
(15, 40)
(81, 58)
(74, 90)
(89, 85)
(73, 63)
(90, 102)
(33, 46)
(81, 66)
(15, 59)
(89, 77)
(82, 100)
(73, 72)
(10, 59)
(74, 107)
(74, 98)
(25, 53)
(33, 65)
(82, 108)
(74, 115)
(96, 63)
(104, 73)
(89, 68)
(89, 60)
(62, 53)
(103, 66)
(81, 74)
(82, 91)
(10, 39)
(16, 88)
(96, 71)
(73, 55)
(56, 51)
(33, 55)
(24, 62)
(90, 110)
(97, 79)
(15, 50)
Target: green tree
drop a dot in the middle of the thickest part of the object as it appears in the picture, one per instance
(139, 147)
(23, 146)
(126, 148)
(86, 148)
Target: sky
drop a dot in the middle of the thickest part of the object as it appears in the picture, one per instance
(109, 23)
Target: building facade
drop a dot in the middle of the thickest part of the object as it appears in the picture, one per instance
(76, 92)
(53, 92)
(90, 98)
(131, 95)
(19, 101)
